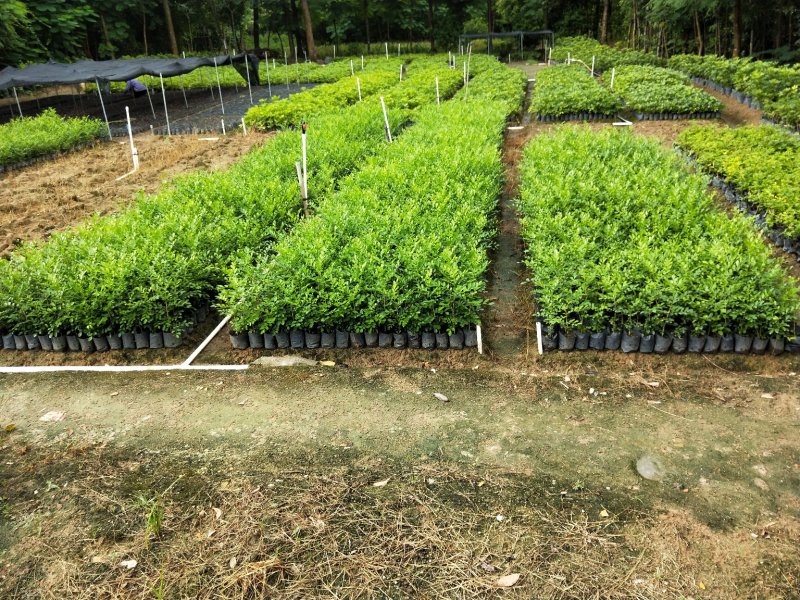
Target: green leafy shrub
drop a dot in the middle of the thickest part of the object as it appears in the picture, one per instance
(403, 243)
(606, 57)
(654, 90)
(762, 161)
(619, 236)
(564, 90)
(29, 137)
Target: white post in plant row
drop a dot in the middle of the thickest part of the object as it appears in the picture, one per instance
(223, 126)
(19, 108)
(358, 87)
(593, 66)
(352, 71)
(386, 121)
(362, 62)
(219, 86)
(103, 105)
(164, 97)
(438, 102)
(286, 63)
(244, 127)
(550, 56)
(134, 152)
(305, 162)
(247, 68)
(387, 50)
(613, 75)
(334, 52)
(269, 80)
(401, 72)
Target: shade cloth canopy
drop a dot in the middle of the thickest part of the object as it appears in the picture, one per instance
(53, 73)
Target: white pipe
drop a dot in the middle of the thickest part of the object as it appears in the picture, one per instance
(613, 75)
(334, 52)
(358, 86)
(387, 50)
(206, 341)
(103, 104)
(362, 62)
(305, 165)
(480, 338)
(438, 101)
(134, 152)
(244, 127)
(401, 72)
(352, 71)
(219, 86)
(118, 368)
(593, 66)
(247, 68)
(164, 96)
(549, 56)
(269, 80)
(386, 121)
(539, 337)
(19, 108)
(223, 126)
(286, 62)
(150, 99)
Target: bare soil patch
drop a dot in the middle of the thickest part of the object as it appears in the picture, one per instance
(52, 195)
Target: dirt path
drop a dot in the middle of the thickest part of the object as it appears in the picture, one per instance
(52, 195)
(520, 472)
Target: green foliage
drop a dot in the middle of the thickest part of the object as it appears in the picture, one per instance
(620, 236)
(776, 88)
(762, 161)
(584, 48)
(654, 90)
(403, 243)
(147, 267)
(28, 137)
(563, 90)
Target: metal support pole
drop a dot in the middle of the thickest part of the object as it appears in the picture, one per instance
(247, 68)
(103, 104)
(164, 96)
(150, 100)
(386, 121)
(19, 108)
(286, 62)
(219, 86)
(269, 80)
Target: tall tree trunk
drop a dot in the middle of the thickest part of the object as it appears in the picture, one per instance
(298, 42)
(173, 41)
(737, 27)
(489, 22)
(365, 6)
(104, 27)
(308, 25)
(604, 21)
(256, 28)
(698, 33)
(144, 30)
(430, 26)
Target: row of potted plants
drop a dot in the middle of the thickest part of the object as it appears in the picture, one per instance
(27, 138)
(758, 168)
(564, 91)
(147, 268)
(402, 246)
(622, 240)
(655, 91)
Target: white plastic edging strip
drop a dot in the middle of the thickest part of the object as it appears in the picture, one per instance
(539, 337)
(623, 123)
(118, 368)
(206, 341)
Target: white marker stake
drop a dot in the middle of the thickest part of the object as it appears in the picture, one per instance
(539, 337)
(465, 72)
(164, 96)
(480, 338)
(223, 126)
(244, 127)
(438, 102)
(362, 62)
(386, 121)
(219, 86)
(334, 52)
(549, 56)
(569, 58)
(134, 152)
(593, 66)
(269, 81)
(305, 164)
(358, 86)
(613, 74)
(286, 62)
(352, 71)
(387, 50)
(19, 108)
(247, 68)
(401, 72)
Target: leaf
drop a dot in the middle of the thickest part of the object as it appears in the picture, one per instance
(381, 483)
(217, 512)
(10, 427)
(508, 580)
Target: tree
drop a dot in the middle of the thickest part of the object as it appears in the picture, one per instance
(604, 21)
(737, 27)
(173, 41)
(308, 26)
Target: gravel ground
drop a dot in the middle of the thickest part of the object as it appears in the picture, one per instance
(198, 112)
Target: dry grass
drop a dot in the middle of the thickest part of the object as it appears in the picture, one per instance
(284, 529)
